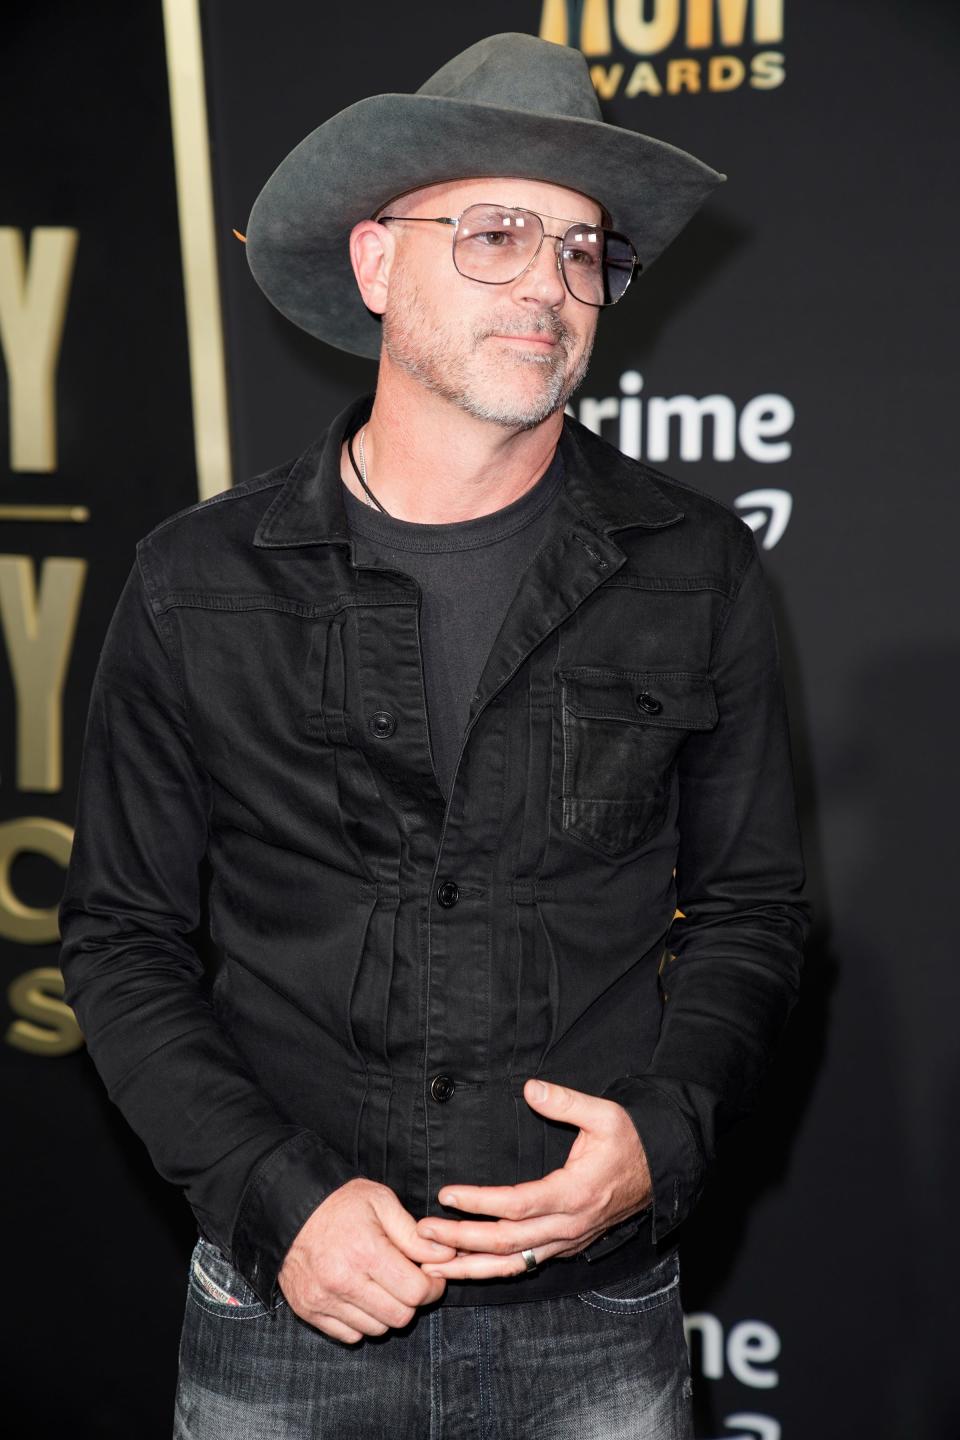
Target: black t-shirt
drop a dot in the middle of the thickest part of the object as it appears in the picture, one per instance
(468, 572)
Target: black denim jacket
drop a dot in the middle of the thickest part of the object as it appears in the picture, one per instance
(390, 966)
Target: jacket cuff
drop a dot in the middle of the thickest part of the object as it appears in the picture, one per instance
(281, 1194)
(614, 1237)
(677, 1164)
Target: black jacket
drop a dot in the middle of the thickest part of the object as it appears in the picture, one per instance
(391, 966)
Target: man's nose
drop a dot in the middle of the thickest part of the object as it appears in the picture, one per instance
(542, 281)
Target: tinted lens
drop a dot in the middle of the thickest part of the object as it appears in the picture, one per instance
(597, 264)
(495, 244)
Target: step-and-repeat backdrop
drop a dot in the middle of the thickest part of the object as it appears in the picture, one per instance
(793, 353)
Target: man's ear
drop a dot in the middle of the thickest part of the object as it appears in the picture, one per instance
(371, 255)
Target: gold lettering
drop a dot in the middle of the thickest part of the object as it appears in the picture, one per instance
(645, 35)
(39, 836)
(733, 21)
(594, 25)
(555, 22)
(595, 28)
(699, 24)
(767, 22)
(39, 630)
(606, 81)
(643, 81)
(648, 36)
(642, 36)
(33, 306)
(37, 997)
(767, 70)
(683, 75)
(725, 72)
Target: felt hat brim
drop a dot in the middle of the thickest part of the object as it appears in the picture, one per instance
(380, 147)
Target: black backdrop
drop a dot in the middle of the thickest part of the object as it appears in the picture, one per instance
(794, 353)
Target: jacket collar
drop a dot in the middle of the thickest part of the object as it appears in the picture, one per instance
(611, 492)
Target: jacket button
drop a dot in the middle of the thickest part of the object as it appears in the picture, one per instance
(382, 724)
(447, 894)
(441, 1088)
(649, 703)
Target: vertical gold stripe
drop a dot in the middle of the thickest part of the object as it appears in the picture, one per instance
(191, 150)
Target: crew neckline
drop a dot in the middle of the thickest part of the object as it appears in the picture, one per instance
(469, 534)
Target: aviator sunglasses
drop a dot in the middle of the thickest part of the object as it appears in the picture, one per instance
(497, 243)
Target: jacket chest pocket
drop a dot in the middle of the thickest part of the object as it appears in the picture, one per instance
(622, 731)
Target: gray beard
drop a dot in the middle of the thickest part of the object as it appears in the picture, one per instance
(431, 365)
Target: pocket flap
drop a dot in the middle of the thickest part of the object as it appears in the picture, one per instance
(678, 699)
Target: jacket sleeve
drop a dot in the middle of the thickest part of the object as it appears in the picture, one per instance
(731, 972)
(131, 899)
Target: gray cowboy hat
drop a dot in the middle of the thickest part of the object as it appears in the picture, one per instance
(509, 105)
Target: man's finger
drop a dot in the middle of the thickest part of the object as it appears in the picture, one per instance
(401, 1230)
(399, 1276)
(485, 1267)
(359, 1319)
(333, 1327)
(381, 1305)
(562, 1102)
(511, 1202)
(504, 1237)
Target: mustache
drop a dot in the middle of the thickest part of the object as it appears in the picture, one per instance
(545, 323)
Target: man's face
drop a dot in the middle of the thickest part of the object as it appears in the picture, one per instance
(509, 353)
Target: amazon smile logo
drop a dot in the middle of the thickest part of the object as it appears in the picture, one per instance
(672, 47)
(768, 514)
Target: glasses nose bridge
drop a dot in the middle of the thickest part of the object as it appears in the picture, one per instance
(557, 250)
(546, 234)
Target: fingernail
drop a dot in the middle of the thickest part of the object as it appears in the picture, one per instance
(539, 1090)
(429, 1232)
(447, 1199)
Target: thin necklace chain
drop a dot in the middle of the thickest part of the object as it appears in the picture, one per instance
(363, 463)
(361, 472)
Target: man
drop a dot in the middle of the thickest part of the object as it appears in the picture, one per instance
(459, 707)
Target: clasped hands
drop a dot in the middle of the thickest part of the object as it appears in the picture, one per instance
(361, 1264)
(604, 1179)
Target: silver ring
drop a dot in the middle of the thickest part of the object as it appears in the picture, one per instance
(529, 1259)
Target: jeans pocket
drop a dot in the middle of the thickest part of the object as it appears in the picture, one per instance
(217, 1287)
(639, 1292)
(622, 732)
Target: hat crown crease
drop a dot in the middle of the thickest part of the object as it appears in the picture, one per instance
(543, 80)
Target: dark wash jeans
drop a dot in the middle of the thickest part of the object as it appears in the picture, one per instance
(598, 1365)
